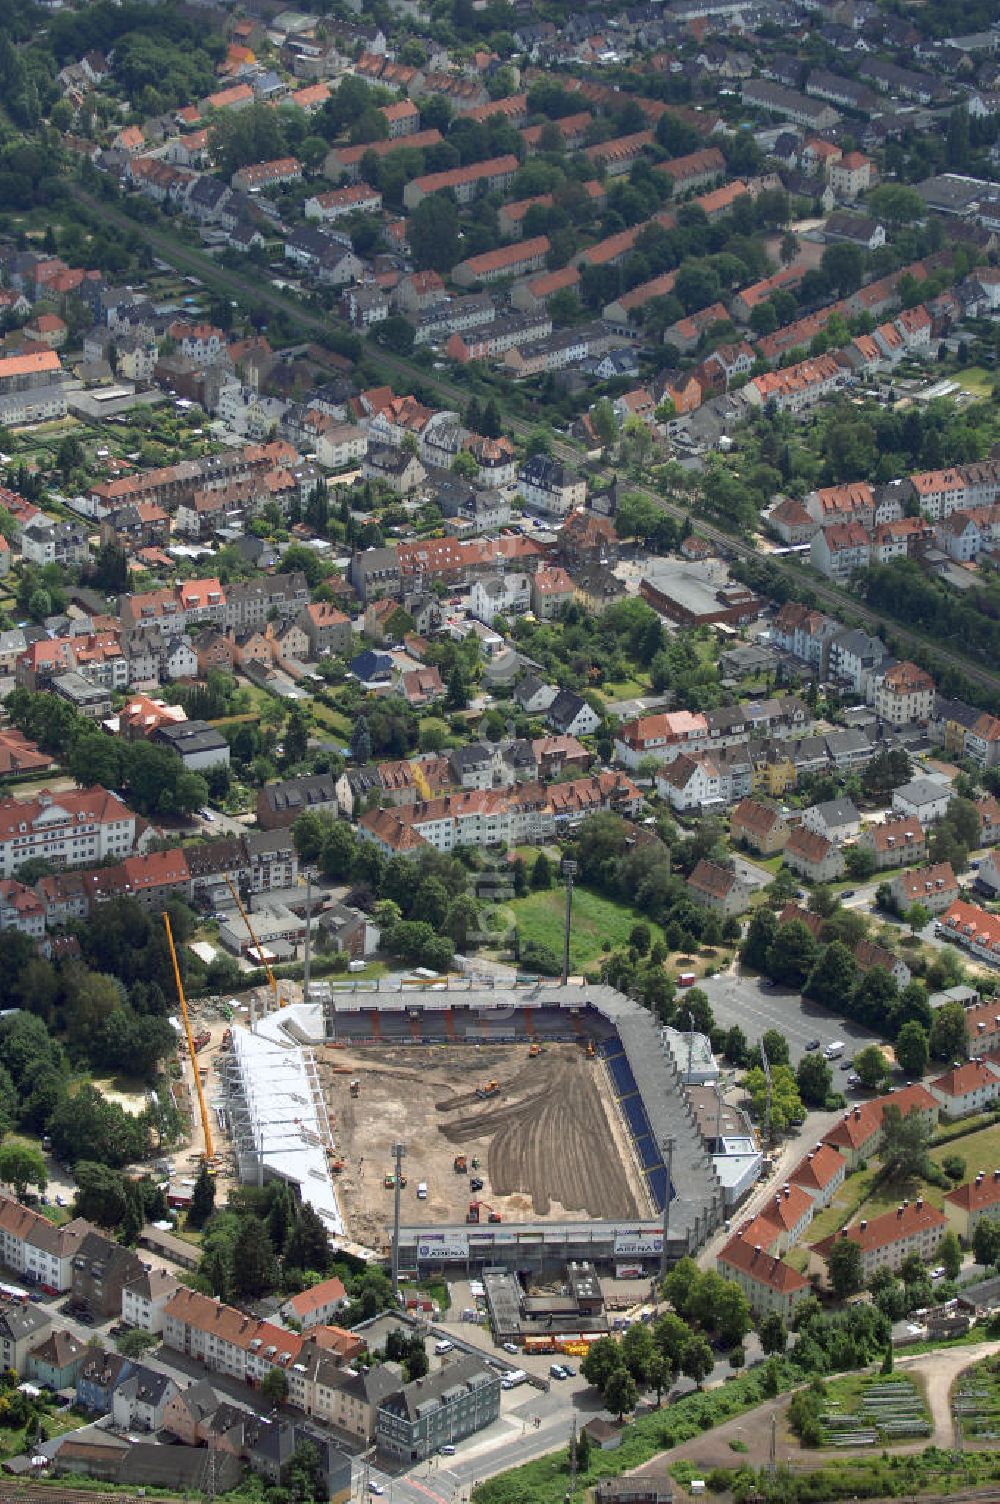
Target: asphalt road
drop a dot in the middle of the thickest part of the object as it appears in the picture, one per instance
(756, 1007)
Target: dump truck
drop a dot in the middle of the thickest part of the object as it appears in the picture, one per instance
(461, 1164)
(201, 1040)
(488, 1089)
(533, 1050)
(355, 1088)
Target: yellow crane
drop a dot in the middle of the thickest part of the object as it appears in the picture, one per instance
(205, 1120)
(256, 943)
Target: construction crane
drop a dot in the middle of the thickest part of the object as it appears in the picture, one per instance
(205, 1120)
(256, 943)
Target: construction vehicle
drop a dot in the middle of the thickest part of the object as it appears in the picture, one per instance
(488, 1089)
(201, 1040)
(476, 1208)
(475, 1161)
(337, 1166)
(390, 1182)
(461, 1164)
(533, 1050)
(355, 1088)
(420, 779)
(476, 1183)
(206, 1123)
(272, 983)
(591, 1052)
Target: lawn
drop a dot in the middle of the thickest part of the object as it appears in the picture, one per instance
(976, 379)
(540, 917)
(333, 721)
(981, 1151)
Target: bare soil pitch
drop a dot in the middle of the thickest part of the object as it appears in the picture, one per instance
(551, 1142)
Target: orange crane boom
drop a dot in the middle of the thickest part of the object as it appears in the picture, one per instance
(256, 943)
(205, 1120)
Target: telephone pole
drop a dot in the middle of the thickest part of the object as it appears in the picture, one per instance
(569, 872)
(398, 1154)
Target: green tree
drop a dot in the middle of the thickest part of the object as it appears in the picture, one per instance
(792, 954)
(833, 977)
(773, 1333)
(541, 873)
(638, 1352)
(775, 1047)
(918, 917)
(950, 1255)
(913, 1049)
(621, 1392)
(670, 1333)
(604, 423)
(602, 1358)
(22, 1165)
(254, 1268)
(274, 1386)
(814, 1079)
(202, 1198)
(732, 1316)
(361, 741)
(871, 1066)
(948, 1033)
(905, 1141)
(846, 1268)
(697, 1359)
(986, 1242)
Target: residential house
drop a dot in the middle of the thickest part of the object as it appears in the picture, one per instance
(759, 826)
(968, 1205)
(969, 1088)
(101, 1270)
(144, 1299)
(571, 715)
(935, 888)
(22, 1326)
(821, 1173)
(56, 1361)
(813, 856)
(837, 819)
(328, 630)
(317, 1306)
(140, 1399)
(718, 889)
(924, 798)
(897, 842)
(768, 1282)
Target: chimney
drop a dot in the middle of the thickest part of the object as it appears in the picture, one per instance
(809, 1158)
(899, 1211)
(920, 1203)
(980, 1178)
(857, 1114)
(864, 1225)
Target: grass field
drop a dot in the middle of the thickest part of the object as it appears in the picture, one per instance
(540, 916)
(981, 1151)
(976, 379)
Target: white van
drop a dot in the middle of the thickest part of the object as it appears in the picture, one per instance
(512, 1380)
(422, 1191)
(835, 1050)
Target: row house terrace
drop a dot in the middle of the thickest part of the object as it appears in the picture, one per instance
(36, 1249)
(970, 926)
(226, 1340)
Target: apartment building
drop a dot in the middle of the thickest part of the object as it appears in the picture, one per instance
(896, 842)
(904, 696)
(768, 1283)
(226, 1340)
(34, 1247)
(840, 549)
(492, 176)
(935, 888)
(968, 1088)
(663, 736)
(77, 828)
(510, 261)
(885, 1241)
(968, 1205)
(821, 1173)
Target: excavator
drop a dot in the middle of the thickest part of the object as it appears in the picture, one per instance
(206, 1122)
(488, 1089)
(476, 1208)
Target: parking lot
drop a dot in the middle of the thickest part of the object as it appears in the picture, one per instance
(756, 1006)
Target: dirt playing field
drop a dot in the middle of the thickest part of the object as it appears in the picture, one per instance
(550, 1141)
